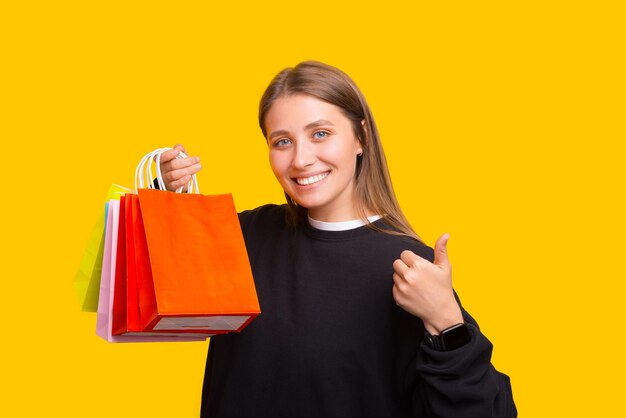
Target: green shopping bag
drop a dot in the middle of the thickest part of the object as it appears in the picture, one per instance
(87, 280)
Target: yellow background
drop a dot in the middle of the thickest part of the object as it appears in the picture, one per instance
(501, 122)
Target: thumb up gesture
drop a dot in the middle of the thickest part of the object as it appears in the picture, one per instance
(424, 289)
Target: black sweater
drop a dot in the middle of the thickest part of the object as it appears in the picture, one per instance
(330, 340)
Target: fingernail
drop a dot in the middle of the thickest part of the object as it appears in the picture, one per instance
(199, 166)
(175, 152)
(197, 159)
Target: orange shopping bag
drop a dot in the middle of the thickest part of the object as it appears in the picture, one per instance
(200, 270)
(198, 278)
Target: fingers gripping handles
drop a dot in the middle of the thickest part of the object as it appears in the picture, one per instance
(192, 185)
(144, 175)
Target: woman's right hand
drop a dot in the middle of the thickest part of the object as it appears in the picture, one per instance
(177, 172)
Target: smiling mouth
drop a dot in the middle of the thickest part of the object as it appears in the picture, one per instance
(305, 181)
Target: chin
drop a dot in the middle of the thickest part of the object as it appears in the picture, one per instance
(305, 203)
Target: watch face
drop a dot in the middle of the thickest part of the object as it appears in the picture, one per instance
(455, 337)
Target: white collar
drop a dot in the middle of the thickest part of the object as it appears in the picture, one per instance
(341, 226)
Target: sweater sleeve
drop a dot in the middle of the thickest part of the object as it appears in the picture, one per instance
(463, 382)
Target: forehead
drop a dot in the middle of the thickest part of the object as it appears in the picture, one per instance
(298, 110)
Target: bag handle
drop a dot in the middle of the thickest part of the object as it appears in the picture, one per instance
(144, 175)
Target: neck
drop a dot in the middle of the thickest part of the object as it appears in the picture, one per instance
(349, 214)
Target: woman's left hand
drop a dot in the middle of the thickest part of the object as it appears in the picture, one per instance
(424, 289)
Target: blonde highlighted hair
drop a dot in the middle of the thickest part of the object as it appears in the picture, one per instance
(373, 187)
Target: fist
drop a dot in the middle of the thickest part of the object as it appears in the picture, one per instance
(177, 172)
(424, 289)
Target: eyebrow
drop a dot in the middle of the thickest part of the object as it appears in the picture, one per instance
(307, 127)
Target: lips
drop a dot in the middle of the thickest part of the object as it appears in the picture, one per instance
(306, 181)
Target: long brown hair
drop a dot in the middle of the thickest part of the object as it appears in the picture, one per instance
(373, 187)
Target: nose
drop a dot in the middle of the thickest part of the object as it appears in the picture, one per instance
(304, 155)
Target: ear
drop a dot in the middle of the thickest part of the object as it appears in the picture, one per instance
(364, 126)
(360, 147)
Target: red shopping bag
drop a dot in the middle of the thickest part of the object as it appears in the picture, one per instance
(201, 276)
(132, 289)
(126, 294)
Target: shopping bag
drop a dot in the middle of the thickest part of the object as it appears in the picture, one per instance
(105, 281)
(87, 279)
(132, 293)
(201, 276)
(107, 286)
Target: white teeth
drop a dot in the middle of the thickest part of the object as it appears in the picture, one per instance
(311, 180)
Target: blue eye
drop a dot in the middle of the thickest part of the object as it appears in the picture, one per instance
(320, 134)
(282, 142)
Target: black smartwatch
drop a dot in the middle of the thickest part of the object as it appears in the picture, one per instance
(450, 338)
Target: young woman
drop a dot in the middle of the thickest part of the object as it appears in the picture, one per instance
(358, 316)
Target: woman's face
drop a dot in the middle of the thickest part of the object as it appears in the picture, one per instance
(313, 153)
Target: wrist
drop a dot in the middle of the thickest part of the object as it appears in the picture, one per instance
(436, 326)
